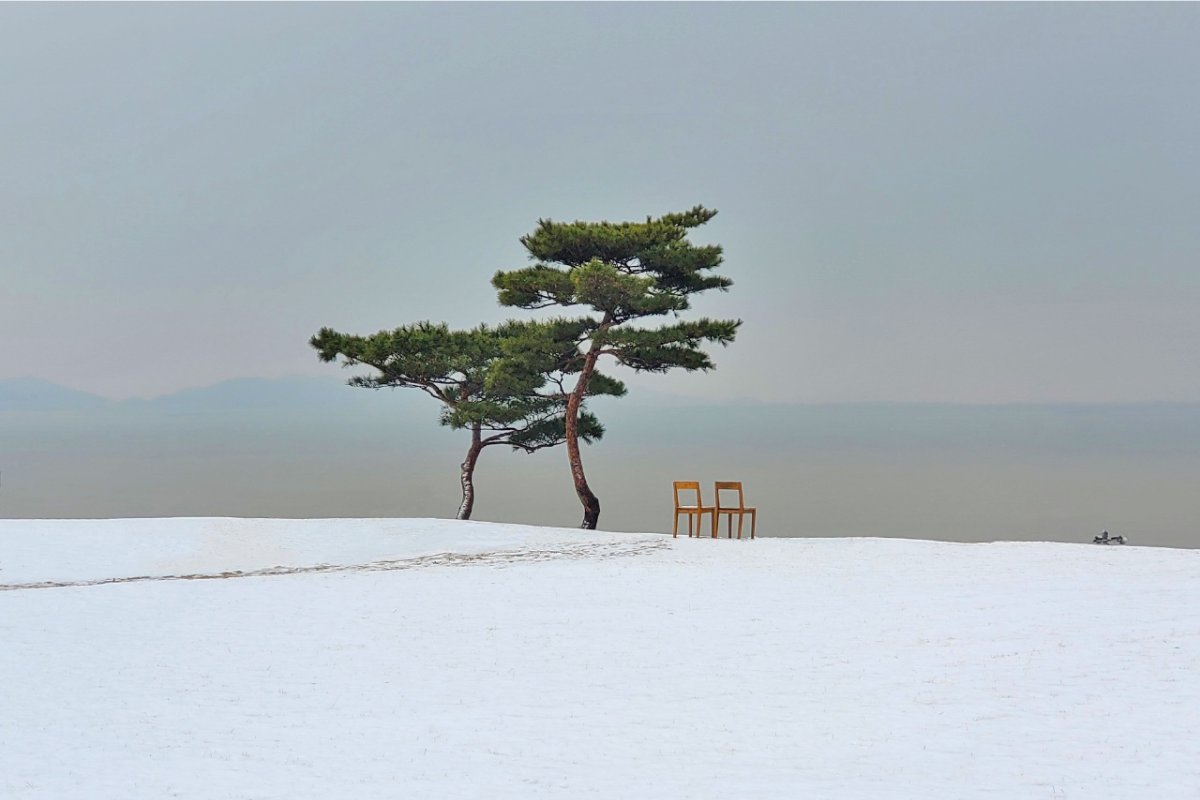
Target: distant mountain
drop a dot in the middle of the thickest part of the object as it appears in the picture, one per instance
(35, 394)
(240, 395)
(261, 394)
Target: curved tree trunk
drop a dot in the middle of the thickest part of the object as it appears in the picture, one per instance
(468, 474)
(591, 503)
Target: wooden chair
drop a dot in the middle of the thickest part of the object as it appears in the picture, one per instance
(698, 511)
(740, 509)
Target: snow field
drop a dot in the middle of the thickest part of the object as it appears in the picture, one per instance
(473, 660)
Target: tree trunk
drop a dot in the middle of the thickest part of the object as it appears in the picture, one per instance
(591, 503)
(468, 474)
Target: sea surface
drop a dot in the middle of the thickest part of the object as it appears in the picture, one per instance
(956, 473)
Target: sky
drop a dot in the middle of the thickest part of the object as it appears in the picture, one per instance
(918, 203)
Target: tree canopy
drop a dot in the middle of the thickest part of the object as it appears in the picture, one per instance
(467, 373)
(621, 273)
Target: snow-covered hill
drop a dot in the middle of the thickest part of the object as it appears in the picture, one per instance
(359, 659)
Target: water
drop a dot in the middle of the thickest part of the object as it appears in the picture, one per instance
(1061, 473)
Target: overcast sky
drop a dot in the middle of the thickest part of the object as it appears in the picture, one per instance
(963, 203)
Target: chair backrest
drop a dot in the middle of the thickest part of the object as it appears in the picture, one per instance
(731, 486)
(684, 486)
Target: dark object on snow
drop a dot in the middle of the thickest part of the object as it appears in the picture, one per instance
(1104, 538)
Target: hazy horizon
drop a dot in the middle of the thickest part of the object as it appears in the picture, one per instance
(316, 448)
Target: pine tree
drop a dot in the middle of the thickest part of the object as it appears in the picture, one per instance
(456, 368)
(623, 272)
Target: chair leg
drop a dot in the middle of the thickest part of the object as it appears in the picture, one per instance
(675, 527)
(741, 519)
(753, 523)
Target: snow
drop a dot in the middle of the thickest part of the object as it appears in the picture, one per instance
(432, 659)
